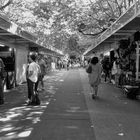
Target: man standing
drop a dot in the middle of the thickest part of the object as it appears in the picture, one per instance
(32, 76)
(1, 82)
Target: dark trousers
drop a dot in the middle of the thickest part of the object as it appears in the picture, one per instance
(1, 92)
(31, 88)
(36, 85)
(40, 79)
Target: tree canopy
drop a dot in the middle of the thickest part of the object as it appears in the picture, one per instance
(63, 23)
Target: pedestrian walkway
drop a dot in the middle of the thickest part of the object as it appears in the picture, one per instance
(114, 117)
(67, 112)
(66, 117)
(62, 114)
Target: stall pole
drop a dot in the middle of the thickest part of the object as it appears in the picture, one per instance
(137, 60)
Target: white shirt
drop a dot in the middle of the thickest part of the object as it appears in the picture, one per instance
(35, 68)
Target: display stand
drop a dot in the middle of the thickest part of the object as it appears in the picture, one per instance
(132, 91)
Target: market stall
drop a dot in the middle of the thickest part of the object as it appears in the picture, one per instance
(123, 37)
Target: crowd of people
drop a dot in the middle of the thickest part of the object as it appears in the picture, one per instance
(36, 70)
(68, 64)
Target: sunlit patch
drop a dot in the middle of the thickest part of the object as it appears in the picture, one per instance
(10, 116)
(47, 103)
(6, 90)
(27, 109)
(13, 109)
(121, 134)
(4, 119)
(24, 134)
(43, 106)
(6, 129)
(92, 126)
(9, 134)
(61, 80)
(72, 127)
(37, 119)
(32, 113)
(29, 118)
(75, 108)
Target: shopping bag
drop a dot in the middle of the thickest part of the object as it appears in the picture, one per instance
(35, 99)
(89, 69)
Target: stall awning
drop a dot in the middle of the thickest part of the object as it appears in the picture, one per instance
(11, 34)
(122, 28)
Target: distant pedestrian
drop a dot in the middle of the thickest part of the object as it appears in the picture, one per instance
(95, 75)
(2, 76)
(43, 66)
(106, 65)
(32, 76)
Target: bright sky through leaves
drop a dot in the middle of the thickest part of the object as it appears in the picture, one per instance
(55, 22)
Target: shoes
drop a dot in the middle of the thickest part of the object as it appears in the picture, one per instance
(28, 101)
(1, 102)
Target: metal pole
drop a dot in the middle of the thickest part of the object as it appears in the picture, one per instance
(137, 61)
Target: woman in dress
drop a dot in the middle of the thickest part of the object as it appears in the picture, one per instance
(95, 76)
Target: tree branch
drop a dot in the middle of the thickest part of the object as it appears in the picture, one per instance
(112, 12)
(92, 34)
(7, 4)
(119, 8)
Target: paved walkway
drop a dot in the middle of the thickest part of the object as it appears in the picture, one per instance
(114, 117)
(66, 117)
(67, 112)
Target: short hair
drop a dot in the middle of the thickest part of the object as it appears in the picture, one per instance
(33, 57)
(94, 60)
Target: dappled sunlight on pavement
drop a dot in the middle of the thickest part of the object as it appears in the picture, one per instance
(17, 120)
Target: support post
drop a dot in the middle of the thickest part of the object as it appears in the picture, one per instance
(137, 61)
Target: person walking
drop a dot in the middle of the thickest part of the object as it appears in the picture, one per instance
(95, 75)
(106, 68)
(42, 65)
(32, 77)
(1, 81)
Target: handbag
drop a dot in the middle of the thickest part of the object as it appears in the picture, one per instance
(89, 69)
(35, 99)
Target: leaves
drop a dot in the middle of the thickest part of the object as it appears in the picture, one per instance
(62, 23)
